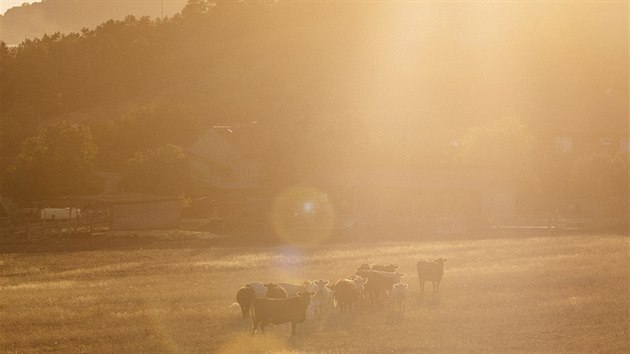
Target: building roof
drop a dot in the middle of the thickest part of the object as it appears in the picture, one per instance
(211, 146)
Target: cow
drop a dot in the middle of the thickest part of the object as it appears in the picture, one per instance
(359, 284)
(245, 297)
(259, 288)
(430, 271)
(323, 297)
(274, 291)
(399, 296)
(278, 311)
(379, 282)
(365, 266)
(293, 289)
(390, 268)
(345, 294)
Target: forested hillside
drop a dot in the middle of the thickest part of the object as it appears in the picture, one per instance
(328, 83)
(49, 16)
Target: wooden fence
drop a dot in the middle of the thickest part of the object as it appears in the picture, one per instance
(32, 228)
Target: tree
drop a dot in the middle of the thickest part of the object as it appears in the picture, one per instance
(143, 128)
(163, 170)
(195, 8)
(599, 184)
(58, 160)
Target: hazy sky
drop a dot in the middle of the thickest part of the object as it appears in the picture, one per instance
(7, 4)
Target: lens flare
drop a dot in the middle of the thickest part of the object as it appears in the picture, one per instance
(303, 215)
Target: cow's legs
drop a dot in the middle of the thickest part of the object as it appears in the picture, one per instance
(293, 324)
(421, 281)
(255, 322)
(436, 287)
(263, 324)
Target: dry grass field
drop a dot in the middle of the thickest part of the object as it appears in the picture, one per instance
(533, 294)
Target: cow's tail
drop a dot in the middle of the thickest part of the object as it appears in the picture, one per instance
(252, 312)
(234, 305)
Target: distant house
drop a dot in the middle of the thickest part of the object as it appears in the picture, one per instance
(216, 162)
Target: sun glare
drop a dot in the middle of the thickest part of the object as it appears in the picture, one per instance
(302, 215)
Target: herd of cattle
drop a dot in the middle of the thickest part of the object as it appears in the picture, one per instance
(284, 302)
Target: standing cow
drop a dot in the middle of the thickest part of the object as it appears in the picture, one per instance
(245, 298)
(346, 294)
(278, 311)
(399, 296)
(379, 282)
(274, 291)
(323, 297)
(430, 271)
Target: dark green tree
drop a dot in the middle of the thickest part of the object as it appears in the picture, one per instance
(163, 170)
(59, 160)
(195, 8)
(142, 128)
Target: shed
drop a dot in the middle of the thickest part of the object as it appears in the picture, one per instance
(134, 211)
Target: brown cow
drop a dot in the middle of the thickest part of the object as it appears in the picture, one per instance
(379, 282)
(430, 271)
(278, 311)
(390, 268)
(245, 297)
(274, 291)
(346, 294)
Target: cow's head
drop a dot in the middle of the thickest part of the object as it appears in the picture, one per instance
(308, 285)
(245, 298)
(305, 296)
(360, 282)
(365, 266)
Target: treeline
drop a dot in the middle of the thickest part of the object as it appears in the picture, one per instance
(329, 84)
(50, 16)
(280, 65)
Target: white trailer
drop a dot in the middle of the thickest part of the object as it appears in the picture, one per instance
(60, 213)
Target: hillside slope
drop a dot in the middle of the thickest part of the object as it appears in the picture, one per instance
(50, 16)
